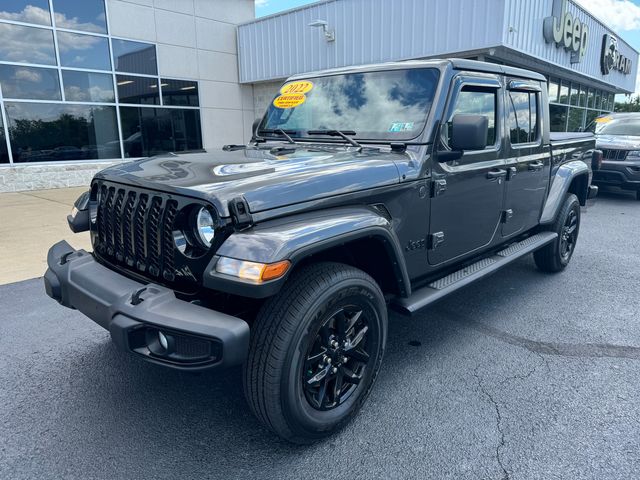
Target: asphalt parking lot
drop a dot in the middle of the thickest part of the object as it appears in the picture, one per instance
(522, 376)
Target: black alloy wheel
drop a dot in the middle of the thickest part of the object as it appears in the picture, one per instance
(569, 235)
(336, 361)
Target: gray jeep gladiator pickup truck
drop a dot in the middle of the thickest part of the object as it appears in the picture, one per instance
(362, 189)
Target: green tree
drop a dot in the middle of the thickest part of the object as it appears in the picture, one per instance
(633, 105)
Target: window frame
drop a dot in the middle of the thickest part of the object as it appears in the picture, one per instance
(536, 91)
(487, 82)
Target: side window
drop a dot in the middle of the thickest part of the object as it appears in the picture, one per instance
(523, 117)
(476, 101)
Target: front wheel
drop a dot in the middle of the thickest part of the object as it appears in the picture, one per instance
(555, 256)
(316, 349)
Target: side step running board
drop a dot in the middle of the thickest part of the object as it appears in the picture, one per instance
(452, 282)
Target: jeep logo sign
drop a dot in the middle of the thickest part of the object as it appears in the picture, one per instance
(611, 58)
(567, 31)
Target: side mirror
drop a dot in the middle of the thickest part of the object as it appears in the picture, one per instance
(469, 132)
(254, 127)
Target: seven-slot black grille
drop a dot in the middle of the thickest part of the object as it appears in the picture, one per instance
(611, 154)
(135, 230)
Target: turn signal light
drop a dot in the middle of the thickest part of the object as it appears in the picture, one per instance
(275, 270)
(252, 271)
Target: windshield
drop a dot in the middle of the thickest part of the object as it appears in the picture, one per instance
(618, 126)
(390, 106)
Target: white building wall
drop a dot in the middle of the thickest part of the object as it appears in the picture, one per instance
(196, 40)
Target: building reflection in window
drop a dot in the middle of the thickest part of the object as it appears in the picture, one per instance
(45, 132)
(152, 131)
(134, 57)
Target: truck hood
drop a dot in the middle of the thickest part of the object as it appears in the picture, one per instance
(266, 178)
(618, 142)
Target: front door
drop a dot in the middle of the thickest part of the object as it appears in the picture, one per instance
(468, 193)
(528, 162)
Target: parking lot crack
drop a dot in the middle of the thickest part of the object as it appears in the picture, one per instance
(580, 350)
(501, 440)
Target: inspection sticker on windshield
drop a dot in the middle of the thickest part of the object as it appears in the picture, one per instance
(289, 100)
(303, 86)
(401, 127)
(603, 119)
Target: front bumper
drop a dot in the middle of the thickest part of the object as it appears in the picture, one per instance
(623, 174)
(196, 338)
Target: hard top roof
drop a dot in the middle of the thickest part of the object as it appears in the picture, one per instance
(455, 63)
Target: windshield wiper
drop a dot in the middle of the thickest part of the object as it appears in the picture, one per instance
(281, 132)
(337, 133)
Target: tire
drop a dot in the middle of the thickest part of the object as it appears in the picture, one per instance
(290, 350)
(555, 256)
(638, 195)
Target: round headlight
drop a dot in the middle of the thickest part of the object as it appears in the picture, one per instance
(205, 227)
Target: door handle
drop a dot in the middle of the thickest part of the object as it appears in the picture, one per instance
(496, 173)
(535, 166)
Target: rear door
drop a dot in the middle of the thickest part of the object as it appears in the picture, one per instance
(528, 160)
(468, 193)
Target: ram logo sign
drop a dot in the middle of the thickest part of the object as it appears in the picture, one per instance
(611, 58)
(567, 31)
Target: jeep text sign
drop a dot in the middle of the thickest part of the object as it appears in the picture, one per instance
(567, 31)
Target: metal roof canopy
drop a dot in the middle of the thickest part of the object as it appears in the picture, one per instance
(377, 31)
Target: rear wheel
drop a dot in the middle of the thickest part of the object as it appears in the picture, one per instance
(638, 195)
(316, 349)
(555, 256)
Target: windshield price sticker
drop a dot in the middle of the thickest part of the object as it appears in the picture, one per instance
(289, 100)
(297, 87)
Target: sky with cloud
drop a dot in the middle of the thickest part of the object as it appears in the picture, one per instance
(622, 16)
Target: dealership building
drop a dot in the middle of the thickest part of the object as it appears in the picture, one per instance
(85, 84)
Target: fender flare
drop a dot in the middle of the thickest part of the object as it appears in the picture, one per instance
(296, 237)
(562, 180)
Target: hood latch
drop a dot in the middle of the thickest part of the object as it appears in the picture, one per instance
(239, 210)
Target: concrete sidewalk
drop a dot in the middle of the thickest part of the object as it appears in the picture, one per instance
(30, 222)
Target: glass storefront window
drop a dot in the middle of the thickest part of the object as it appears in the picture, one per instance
(590, 98)
(574, 94)
(4, 154)
(22, 44)
(140, 90)
(612, 101)
(598, 99)
(179, 92)
(29, 83)
(554, 89)
(88, 86)
(151, 131)
(558, 118)
(27, 11)
(84, 51)
(576, 120)
(85, 15)
(591, 116)
(564, 92)
(582, 99)
(605, 101)
(134, 57)
(45, 132)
